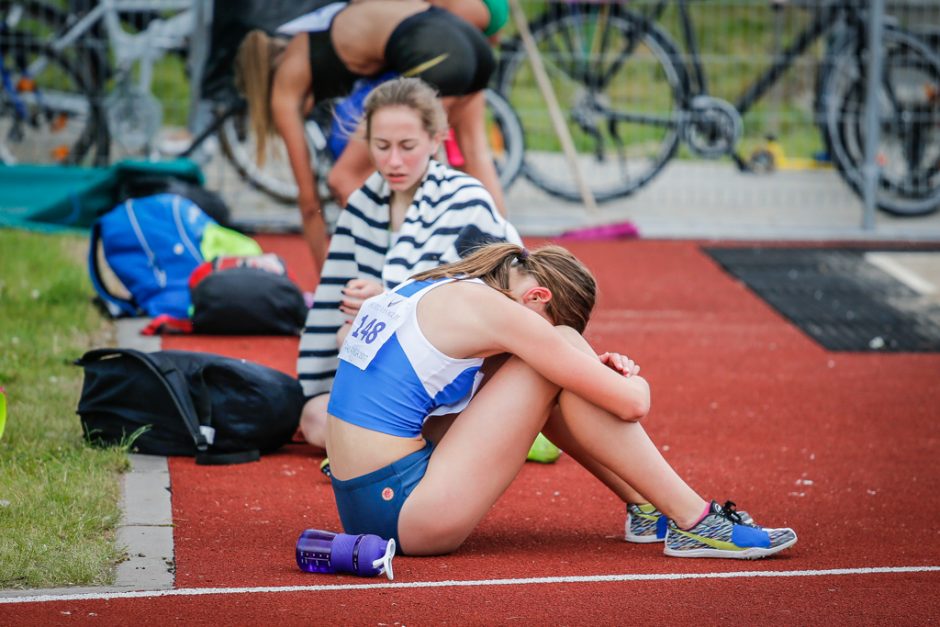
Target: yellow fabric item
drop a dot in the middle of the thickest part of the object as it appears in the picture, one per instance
(218, 240)
(3, 411)
(543, 451)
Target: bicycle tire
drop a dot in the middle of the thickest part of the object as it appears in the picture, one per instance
(624, 100)
(273, 176)
(45, 22)
(909, 101)
(48, 115)
(504, 133)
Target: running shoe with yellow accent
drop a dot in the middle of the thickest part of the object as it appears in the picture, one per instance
(647, 524)
(721, 534)
(644, 524)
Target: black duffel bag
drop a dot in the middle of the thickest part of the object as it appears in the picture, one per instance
(247, 301)
(218, 409)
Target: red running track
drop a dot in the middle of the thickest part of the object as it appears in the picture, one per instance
(843, 447)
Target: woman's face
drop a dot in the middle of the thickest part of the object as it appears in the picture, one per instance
(400, 147)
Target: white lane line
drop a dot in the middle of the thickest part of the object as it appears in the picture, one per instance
(901, 272)
(146, 594)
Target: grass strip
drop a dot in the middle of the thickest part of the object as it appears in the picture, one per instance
(58, 497)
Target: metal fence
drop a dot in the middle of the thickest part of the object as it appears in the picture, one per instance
(674, 111)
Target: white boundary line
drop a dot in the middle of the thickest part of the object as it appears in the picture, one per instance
(145, 594)
(901, 272)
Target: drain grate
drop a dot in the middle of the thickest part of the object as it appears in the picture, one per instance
(836, 297)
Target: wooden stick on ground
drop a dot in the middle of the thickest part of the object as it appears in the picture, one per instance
(554, 110)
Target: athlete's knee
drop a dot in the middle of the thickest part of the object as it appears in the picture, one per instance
(342, 333)
(313, 420)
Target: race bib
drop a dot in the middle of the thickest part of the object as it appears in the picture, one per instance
(378, 318)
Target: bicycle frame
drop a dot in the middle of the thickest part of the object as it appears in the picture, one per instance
(144, 47)
(828, 17)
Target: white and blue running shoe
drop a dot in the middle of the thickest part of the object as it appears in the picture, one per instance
(647, 524)
(723, 534)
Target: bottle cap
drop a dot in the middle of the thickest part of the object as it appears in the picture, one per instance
(378, 553)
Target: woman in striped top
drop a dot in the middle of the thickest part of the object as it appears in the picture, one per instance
(411, 215)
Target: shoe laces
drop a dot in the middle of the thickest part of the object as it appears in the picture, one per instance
(729, 511)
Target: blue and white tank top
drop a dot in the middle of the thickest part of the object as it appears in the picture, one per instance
(390, 377)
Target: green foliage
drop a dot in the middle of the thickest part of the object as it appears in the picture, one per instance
(58, 497)
(171, 87)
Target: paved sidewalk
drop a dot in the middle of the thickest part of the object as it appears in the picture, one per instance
(688, 200)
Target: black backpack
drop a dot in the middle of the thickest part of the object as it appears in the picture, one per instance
(252, 295)
(218, 409)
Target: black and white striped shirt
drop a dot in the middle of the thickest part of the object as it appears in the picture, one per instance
(445, 205)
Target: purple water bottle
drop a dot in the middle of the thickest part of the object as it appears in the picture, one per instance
(365, 554)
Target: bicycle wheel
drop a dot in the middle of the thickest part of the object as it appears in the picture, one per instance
(47, 112)
(504, 132)
(45, 23)
(909, 122)
(273, 174)
(621, 82)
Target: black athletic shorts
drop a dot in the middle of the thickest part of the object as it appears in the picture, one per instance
(441, 49)
(330, 77)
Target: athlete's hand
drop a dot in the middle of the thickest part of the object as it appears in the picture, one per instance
(356, 292)
(621, 363)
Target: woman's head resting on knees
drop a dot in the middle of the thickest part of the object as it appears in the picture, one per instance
(255, 63)
(549, 280)
(404, 123)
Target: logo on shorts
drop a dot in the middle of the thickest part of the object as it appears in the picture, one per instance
(388, 494)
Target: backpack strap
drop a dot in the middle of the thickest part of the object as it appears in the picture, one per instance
(190, 404)
(172, 381)
(115, 305)
(203, 403)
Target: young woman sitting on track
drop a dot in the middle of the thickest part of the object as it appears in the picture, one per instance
(416, 354)
(342, 43)
(412, 214)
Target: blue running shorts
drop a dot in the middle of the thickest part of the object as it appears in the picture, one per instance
(372, 502)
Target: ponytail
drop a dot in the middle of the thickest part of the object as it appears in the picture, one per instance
(489, 263)
(255, 61)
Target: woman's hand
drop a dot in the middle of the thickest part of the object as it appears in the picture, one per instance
(356, 292)
(621, 363)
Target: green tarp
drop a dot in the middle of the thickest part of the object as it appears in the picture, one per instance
(55, 198)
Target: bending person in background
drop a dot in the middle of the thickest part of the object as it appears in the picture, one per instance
(412, 214)
(346, 42)
(416, 354)
(465, 115)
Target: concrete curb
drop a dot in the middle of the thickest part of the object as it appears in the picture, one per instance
(146, 529)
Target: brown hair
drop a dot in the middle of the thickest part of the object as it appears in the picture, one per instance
(255, 62)
(572, 285)
(413, 93)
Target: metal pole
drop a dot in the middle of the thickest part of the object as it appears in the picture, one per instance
(870, 170)
(196, 60)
